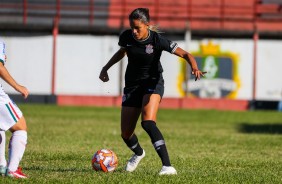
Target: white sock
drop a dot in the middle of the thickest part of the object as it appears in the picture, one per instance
(16, 149)
(3, 161)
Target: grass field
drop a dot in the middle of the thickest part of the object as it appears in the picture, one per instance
(205, 146)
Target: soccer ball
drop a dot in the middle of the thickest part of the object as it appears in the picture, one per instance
(104, 160)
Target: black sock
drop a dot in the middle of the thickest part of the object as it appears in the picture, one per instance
(157, 140)
(134, 145)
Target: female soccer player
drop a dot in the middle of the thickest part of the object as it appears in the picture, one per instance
(11, 118)
(144, 84)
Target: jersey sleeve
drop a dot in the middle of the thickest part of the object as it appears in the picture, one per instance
(167, 45)
(2, 52)
(122, 39)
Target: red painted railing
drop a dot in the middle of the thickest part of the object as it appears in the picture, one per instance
(230, 15)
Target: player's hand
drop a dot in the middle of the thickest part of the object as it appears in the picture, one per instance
(104, 75)
(23, 90)
(198, 74)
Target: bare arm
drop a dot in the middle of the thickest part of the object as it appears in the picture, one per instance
(192, 62)
(5, 75)
(116, 58)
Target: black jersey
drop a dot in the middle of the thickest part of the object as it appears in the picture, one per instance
(144, 56)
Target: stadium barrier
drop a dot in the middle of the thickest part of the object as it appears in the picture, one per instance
(108, 16)
(171, 103)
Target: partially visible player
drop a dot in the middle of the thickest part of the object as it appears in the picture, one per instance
(144, 85)
(11, 118)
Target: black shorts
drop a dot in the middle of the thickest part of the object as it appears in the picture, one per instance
(133, 94)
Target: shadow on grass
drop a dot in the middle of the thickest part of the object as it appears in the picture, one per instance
(275, 128)
(38, 168)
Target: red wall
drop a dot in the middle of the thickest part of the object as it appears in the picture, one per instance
(173, 103)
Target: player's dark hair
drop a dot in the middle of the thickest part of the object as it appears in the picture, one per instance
(141, 14)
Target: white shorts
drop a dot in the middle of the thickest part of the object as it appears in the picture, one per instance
(9, 111)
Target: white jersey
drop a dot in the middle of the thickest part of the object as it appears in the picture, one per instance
(2, 60)
(2, 52)
(9, 111)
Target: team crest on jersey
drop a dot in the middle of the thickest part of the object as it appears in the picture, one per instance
(149, 49)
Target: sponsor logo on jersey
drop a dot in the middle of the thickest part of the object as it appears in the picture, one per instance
(149, 49)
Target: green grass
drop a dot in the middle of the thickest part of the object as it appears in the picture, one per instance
(205, 146)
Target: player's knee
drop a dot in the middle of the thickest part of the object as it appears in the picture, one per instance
(20, 125)
(126, 135)
(148, 124)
